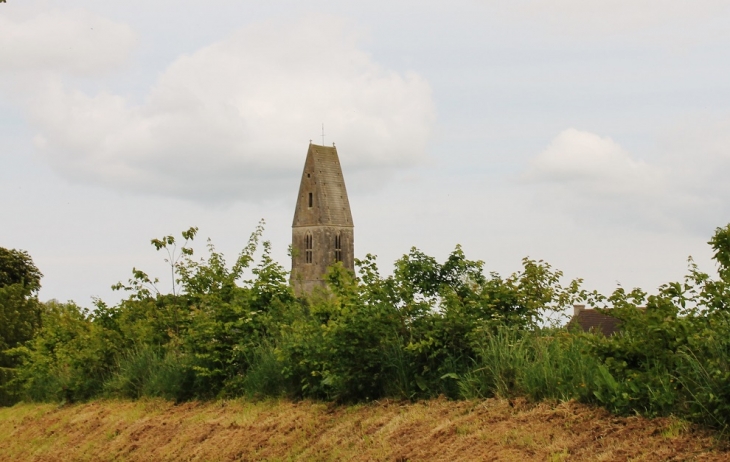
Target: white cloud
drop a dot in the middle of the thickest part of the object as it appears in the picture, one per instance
(593, 179)
(77, 42)
(233, 119)
(593, 164)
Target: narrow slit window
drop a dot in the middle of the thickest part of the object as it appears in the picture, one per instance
(308, 248)
(310, 200)
(338, 247)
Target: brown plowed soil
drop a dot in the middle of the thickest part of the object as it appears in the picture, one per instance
(393, 431)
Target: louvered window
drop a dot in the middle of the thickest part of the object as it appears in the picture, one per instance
(308, 248)
(338, 247)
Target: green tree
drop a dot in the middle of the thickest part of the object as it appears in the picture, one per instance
(20, 315)
(16, 267)
(720, 244)
(70, 356)
(19, 319)
(20, 281)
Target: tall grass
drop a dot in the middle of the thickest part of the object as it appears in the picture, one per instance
(500, 359)
(152, 372)
(398, 370)
(264, 377)
(511, 362)
(559, 365)
(560, 368)
(704, 380)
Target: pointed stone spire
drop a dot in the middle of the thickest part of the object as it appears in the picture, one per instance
(322, 231)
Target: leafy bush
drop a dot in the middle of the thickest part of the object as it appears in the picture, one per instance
(69, 358)
(672, 354)
(410, 334)
(428, 329)
(336, 350)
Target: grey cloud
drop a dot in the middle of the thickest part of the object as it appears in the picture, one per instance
(234, 118)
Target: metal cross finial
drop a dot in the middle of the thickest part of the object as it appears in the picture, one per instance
(322, 134)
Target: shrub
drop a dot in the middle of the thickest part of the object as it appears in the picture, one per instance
(69, 358)
(428, 329)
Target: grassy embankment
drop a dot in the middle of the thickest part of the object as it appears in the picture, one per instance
(490, 429)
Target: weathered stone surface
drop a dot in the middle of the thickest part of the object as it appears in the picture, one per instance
(322, 231)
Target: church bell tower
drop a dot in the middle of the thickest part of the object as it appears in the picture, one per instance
(322, 231)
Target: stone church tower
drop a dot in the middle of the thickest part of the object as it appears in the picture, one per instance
(322, 231)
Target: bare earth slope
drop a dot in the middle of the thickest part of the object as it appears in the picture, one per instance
(433, 430)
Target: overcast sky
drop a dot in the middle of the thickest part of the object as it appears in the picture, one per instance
(594, 135)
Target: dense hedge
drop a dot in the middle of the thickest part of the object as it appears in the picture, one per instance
(429, 329)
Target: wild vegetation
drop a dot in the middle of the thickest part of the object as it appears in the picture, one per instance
(430, 329)
(20, 312)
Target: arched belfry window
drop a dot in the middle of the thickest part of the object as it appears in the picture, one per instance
(308, 248)
(338, 247)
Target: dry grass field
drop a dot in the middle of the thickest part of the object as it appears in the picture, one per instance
(390, 431)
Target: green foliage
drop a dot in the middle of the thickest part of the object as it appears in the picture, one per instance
(672, 356)
(20, 316)
(16, 267)
(336, 351)
(430, 328)
(264, 377)
(197, 342)
(19, 319)
(9, 392)
(228, 321)
(720, 244)
(239, 330)
(704, 382)
(410, 334)
(152, 372)
(70, 357)
(538, 364)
